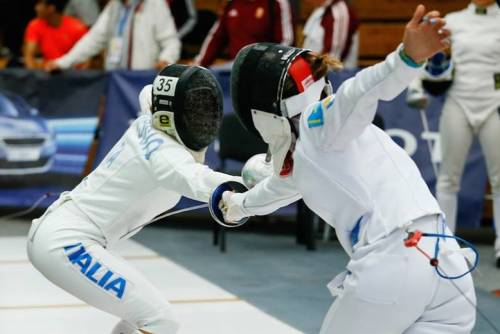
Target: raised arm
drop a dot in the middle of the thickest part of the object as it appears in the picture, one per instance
(341, 118)
(89, 45)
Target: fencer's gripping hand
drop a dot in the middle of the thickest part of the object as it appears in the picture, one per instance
(425, 35)
(232, 207)
(226, 204)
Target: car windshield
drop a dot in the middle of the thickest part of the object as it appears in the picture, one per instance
(7, 108)
(20, 104)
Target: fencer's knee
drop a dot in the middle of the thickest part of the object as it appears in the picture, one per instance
(30, 251)
(33, 249)
(447, 184)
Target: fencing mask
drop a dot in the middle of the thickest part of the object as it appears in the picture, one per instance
(258, 84)
(187, 105)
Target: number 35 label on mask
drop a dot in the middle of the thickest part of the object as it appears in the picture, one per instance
(164, 85)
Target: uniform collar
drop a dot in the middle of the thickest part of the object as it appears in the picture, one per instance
(491, 10)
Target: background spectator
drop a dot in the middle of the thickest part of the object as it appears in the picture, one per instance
(333, 28)
(184, 15)
(51, 34)
(85, 10)
(472, 105)
(137, 34)
(245, 22)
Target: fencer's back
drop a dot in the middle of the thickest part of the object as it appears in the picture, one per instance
(123, 193)
(372, 179)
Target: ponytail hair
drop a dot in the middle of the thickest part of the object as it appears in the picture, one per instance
(320, 65)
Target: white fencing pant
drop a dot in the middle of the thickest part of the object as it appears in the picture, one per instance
(392, 289)
(457, 135)
(69, 251)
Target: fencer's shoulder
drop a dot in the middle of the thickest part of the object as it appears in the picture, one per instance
(142, 121)
(314, 116)
(147, 133)
(454, 17)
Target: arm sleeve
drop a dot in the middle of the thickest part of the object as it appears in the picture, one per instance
(337, 120)
(31, 40)
(166, 34)
(176, 170)
(188, 20)
(214, 42)
(31, 33)
(90, 44)
(88, 14)
(269, 195)
(283, 23)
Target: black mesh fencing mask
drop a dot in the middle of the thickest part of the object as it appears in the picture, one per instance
(187, 104)
(257, 79)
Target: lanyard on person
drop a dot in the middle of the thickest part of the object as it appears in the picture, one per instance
(119, 46)
(122, 22)
(137, 7)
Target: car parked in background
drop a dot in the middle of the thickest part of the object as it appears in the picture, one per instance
(27, 143)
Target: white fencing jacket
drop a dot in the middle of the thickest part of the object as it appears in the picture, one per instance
(144, 174)
(149, 34)
(475, 51)
(347, 170)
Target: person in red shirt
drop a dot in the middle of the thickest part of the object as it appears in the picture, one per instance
(245, 22)
(51, 33)
(333, 29)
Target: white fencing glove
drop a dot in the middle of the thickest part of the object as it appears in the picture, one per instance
(232, 206)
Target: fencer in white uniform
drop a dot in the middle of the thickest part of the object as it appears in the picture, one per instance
(472, 106)
(358, 180)
(157, 160)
